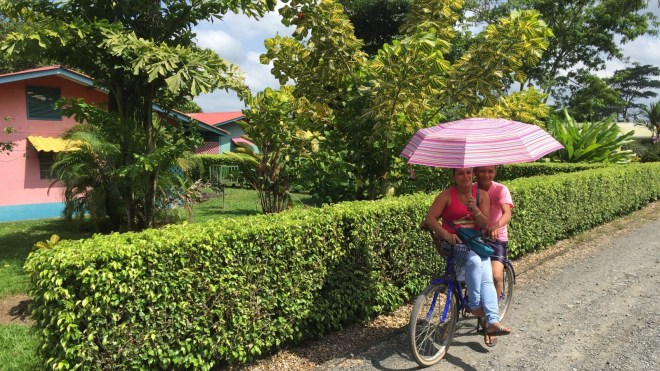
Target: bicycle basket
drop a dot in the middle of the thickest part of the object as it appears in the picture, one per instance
(459, 254)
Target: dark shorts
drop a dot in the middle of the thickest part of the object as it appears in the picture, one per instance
(500, 248)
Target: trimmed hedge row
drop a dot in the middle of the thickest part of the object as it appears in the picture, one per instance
(429, 179)
(195, 296)
(208, 160)
(550, 208)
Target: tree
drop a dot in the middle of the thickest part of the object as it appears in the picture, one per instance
(14, 63)
(525, 106)
(91, 178)
(651, 119)
(590, 98)
(376, 22)
(586, 32)
(142, 52)
(271, 125)
(635, 83)
(376, 104)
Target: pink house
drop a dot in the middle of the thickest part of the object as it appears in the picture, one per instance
(26, 99)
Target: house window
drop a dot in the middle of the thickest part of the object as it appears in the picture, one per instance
(46, 160)
(41, 103)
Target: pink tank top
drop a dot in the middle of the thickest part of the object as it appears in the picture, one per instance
(458, 213)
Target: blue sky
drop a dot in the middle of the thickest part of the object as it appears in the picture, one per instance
(239, 40)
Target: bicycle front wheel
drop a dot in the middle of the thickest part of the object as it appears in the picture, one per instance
(508, 280)
(432, 323)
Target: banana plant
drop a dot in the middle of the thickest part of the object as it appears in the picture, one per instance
(599, 141)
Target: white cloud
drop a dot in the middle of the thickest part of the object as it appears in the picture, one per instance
(220, 101)
(239, 39)
(222, 43)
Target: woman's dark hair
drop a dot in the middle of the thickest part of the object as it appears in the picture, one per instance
(453, 170)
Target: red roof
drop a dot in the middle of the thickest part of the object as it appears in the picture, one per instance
(55, 70)
(32, 70)
(217, 118)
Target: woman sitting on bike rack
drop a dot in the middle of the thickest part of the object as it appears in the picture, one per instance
(457, 206)
(500, 215)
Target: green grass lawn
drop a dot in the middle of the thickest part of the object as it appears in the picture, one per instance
(16, 240)
(18, 348)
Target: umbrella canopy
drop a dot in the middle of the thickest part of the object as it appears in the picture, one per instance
(478, 142)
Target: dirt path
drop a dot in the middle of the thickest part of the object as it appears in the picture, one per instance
(13, 310)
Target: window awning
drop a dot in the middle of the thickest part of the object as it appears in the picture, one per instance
(50, 144)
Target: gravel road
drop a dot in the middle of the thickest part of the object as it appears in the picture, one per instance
(589, 307)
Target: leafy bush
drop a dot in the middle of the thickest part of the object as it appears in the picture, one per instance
(652, 155)
(221, 159)
(638, 147)
(599, 141)
(193, 296)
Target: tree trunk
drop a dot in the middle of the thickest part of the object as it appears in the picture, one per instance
(152, 176)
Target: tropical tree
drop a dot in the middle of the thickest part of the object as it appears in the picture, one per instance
(590, 98)
(91, 180)
(525, 106)
(598, 141)
(586, 33)
(635, 83)
(142, 52)
(376, 22)
(98, 176)
(13, 63)
(651, 119)
(376, 104)
(272, 125)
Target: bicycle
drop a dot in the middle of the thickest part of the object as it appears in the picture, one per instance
(431, 329)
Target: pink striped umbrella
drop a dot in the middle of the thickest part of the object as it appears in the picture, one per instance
(478, 142)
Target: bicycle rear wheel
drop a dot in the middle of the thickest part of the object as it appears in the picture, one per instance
(430, 334)
(508, 280)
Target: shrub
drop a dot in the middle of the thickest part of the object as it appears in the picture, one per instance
(222, 159)
(598, 141)
(652, 155)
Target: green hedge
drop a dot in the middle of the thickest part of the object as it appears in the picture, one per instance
(195, 296)
(550, 208)
(209, 160)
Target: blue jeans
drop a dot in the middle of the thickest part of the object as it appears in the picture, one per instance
(480, 287)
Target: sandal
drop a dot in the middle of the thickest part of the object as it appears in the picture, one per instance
(493, 340)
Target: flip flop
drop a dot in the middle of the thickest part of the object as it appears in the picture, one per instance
(499, 332)
(493, 341)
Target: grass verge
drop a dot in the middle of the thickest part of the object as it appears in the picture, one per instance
(19, 348)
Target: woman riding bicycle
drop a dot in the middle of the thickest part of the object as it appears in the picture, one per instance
(457, 206)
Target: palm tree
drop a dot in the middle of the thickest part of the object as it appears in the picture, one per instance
(651, 119)
(91, 177)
